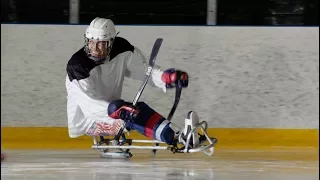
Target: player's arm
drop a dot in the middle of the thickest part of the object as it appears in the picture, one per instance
(137, 67)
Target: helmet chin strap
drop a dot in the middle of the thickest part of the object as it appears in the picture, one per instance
(100, 61)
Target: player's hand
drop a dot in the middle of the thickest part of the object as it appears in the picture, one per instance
(173, 77)
(119, 109)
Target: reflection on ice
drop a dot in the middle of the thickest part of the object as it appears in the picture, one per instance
(85, 165)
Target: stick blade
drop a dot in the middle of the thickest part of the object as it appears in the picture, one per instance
(155, 50)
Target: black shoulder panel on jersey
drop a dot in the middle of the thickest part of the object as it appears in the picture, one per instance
(79, 66)
(120, 45)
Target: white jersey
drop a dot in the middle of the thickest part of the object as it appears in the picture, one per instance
(90, 87)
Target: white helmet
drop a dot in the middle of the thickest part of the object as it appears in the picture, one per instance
(100, 29)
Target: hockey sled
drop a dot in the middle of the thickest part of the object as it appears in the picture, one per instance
(124, 145)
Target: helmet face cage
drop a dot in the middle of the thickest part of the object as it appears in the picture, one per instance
(97, 59)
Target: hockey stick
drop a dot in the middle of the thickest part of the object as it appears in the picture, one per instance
(176, 99)
(152, 60)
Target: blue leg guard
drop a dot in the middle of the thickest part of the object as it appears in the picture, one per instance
(151, 124)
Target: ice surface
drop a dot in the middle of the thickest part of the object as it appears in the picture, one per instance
(223, 165)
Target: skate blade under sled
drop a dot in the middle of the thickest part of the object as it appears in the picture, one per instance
(123, 146)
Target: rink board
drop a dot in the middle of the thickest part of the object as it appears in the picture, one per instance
(58, 138)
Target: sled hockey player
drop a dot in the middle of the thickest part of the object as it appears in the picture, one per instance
(94, 82)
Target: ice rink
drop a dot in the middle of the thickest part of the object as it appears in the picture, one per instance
(223, 165)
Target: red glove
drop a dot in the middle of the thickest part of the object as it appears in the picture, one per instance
(173, 76)
(119, 109)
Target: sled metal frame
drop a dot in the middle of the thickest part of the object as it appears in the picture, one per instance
(207, 149)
